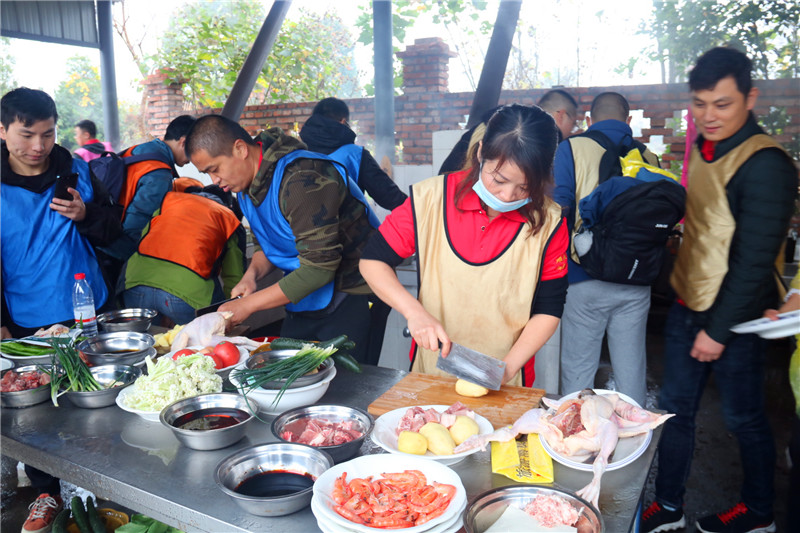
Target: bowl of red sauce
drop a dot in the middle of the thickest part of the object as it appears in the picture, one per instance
(273, 479)
(208, 421)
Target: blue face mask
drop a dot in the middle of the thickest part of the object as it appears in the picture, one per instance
(493, 201)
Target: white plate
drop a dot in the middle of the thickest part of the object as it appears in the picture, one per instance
(627, 451)
(374, 465)
(26, 359)
(384, 434)
(243, 355)
(151, 416)
(788, 324)
(329, 526)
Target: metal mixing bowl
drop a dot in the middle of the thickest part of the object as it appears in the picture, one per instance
(212, 439)
(260, 358)
(332, 413)
(486, 508)
(118, 375)
(26, 398)
(297, 458)
(132, 319)
(119, 348)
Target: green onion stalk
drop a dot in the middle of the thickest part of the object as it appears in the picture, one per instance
(74, 375)
(306, 360)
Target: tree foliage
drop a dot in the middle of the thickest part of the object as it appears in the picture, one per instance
(78, 97)
(767, 31)
(463, 22)
(207, 44)
(7, 64)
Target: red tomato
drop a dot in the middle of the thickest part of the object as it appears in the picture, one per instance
(228, 352)
(185, 351)
(217, 361)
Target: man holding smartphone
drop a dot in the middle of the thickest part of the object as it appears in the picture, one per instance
(46, 239)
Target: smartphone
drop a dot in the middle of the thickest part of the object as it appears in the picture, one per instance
(62, 183)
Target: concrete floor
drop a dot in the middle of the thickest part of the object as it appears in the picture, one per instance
(716, 473)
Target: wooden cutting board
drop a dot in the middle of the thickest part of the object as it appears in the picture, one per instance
(501, 407)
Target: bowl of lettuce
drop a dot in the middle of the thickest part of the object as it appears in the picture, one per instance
(168, 381)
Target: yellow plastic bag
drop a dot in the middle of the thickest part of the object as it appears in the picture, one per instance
(633, 162)
(522, 460)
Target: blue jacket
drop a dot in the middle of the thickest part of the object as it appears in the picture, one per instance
(564, 174)
(150, 192)
(41, 251)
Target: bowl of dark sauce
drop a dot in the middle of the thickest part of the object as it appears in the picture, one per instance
(273, 479)
(208, 421)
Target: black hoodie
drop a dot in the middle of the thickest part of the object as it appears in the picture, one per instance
(324, 135)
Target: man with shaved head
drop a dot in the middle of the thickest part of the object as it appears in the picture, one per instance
(310, 221)
(596, 307)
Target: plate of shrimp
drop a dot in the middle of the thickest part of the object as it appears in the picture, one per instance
(366, 495)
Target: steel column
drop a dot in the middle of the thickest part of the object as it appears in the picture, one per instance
(108, 74)
(384, 79)
(487, 95)
(251, 69)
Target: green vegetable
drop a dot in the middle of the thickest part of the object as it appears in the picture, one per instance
(144, 524)
(23, 349)
(168, 380)
(336, 342)
(79, 515)
(75, 375)
(95, 521)
(286, 343)
(308, 358)
(345, 360)
(60, 523)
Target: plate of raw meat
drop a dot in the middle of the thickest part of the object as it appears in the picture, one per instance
(389, 425)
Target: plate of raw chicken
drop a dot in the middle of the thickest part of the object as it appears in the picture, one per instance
(389, 425)
(627, 450)
(587, 430)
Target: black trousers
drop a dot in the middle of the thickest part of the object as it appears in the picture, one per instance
(350, 317)
(43, 482)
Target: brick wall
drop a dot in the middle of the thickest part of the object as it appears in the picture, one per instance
(425, 106)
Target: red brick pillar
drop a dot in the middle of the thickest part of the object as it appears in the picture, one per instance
(163, 102)
(425, 66)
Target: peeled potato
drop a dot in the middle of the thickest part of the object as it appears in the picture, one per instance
(469, 389)
(463, 428)
(412, 442)
(440, 442)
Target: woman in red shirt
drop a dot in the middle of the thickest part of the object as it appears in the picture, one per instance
(491, 250)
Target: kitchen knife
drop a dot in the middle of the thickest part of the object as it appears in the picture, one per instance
(472, 366)
(213, 307)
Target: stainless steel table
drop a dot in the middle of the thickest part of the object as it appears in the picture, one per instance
(139, 464)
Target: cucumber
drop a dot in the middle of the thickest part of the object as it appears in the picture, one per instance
(287, 343)
(79, 515)
(95, 522)
(60, 523)
(336, 342)
(345, 360)
(341, 343)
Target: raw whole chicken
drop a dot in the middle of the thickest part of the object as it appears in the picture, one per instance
(592, 424)
(208, 330)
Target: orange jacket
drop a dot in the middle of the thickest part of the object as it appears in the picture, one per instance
(189, 230)
(134, 173)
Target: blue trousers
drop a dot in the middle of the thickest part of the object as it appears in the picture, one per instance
(165, 303)
(739, 375)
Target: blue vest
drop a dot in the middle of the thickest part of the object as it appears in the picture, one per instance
(275, 236)
(41, 251)
(349, 155)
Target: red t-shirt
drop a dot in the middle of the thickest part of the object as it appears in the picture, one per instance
(473, 235)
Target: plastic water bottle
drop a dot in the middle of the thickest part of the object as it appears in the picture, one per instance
(83, 305)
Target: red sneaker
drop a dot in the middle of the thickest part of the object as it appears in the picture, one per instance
(43, 512)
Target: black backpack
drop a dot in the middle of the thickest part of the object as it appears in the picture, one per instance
(111, 169)
(628, 240)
